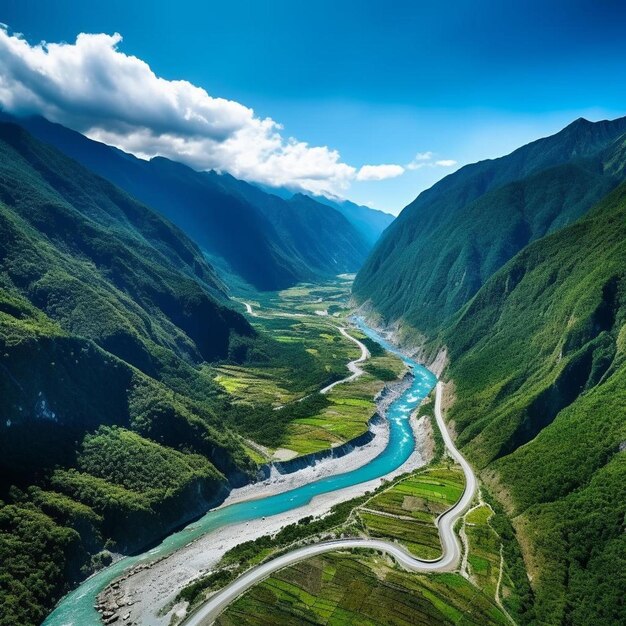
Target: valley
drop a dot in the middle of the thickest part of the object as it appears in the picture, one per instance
(119, 342)
(279, 600)
(230, 395)
(522, 381)
(399, 449)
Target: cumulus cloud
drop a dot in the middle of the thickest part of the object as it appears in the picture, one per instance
(96, 89)
(425, 159)
(379, 172)
(93, 87)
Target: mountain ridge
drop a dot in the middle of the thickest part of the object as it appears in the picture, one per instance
(537, 360)
(476, 204)
(254, 240)
(107, 314)
(539, 368)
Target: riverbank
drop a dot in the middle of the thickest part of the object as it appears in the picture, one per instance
(143, 591)
(435, 357)
(400, 455)
(448, 561)
(288, 475)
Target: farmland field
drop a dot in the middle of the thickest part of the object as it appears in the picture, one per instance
(407, 512)
(344, 589)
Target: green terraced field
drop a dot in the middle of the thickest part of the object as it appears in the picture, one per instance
(345, 589)
(254, 384)
(346, 417)
(407, 511)
(363, 587)
(484, 549)
(421, 538)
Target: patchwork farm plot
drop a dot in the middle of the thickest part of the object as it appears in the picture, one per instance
(407, 512)
(345, 589)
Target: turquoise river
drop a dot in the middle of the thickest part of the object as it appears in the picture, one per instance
(76, 608)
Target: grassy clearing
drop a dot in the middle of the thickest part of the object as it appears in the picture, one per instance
(254, 454)
(255, 385)
(484, 549)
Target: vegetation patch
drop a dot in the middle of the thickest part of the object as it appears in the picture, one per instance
(272, 402)
(341, 589)
(407, 511)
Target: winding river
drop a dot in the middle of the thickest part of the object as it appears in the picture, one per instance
(76, 608)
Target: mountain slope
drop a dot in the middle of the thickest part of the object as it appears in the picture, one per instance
(538, 358)
(255, 235)
(369, 222)
(144, 265)
(444, 245)
(318, 238)
(96, 266)
(107, 315)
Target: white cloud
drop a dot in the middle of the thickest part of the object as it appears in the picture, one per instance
(379, 172)
(425, 159)
(94, 88)
(420, 159)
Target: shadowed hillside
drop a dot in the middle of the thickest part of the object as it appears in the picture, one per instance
(269, 242)
(106, 313)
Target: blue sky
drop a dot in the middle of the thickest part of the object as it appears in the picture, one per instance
(378, 82)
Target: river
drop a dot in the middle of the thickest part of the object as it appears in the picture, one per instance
(76, 608)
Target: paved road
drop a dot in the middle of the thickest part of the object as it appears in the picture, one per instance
(207, 613)
(249, 310)
(352, 365)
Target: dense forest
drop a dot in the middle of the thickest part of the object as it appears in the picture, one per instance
(538, 362)
(114, 431)
(252, 235)
(455, 235)
(530, 303)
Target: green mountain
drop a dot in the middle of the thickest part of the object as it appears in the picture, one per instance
(538, 359)
(369, 222)
(112, 430)
(267, 241)
(518, 267)
(454, 236)
(319, 239)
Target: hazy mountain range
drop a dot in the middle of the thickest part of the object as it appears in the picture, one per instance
(268, 241)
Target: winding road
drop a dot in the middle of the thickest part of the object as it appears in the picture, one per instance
(249, 310)
(209, 611)
(352, 365)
